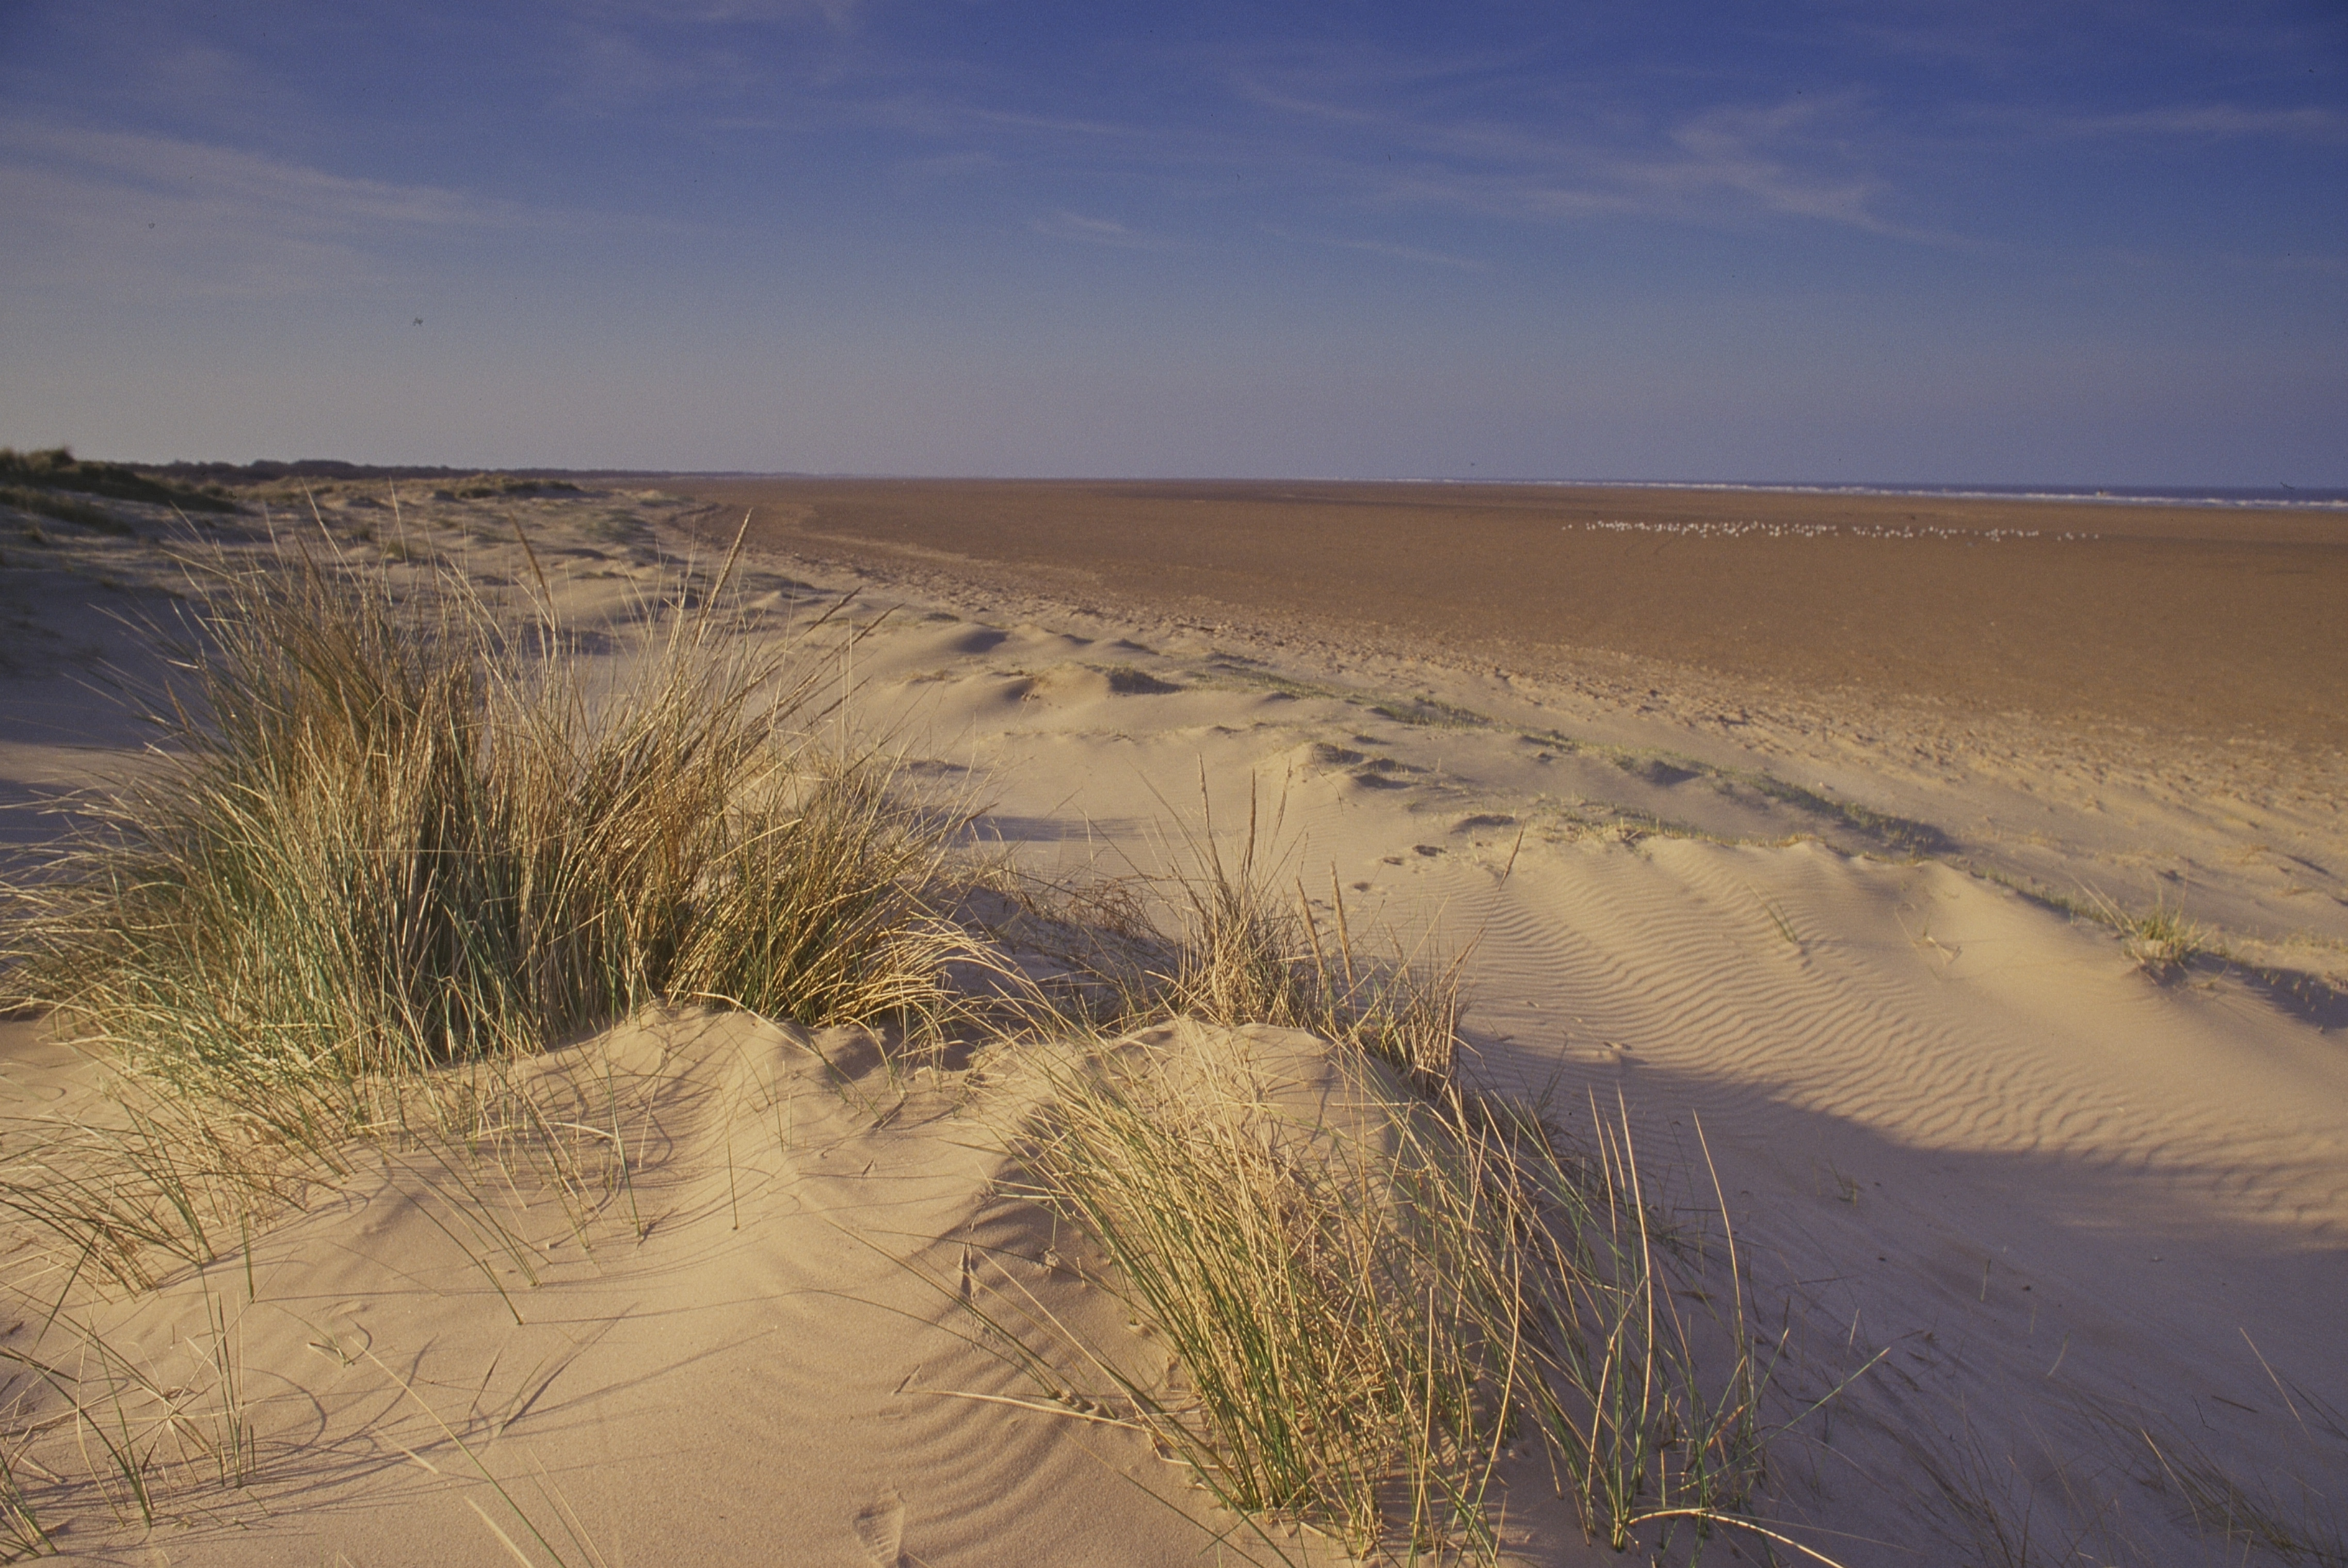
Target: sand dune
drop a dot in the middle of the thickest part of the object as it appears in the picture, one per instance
(752, 1354)
(2052, 1197)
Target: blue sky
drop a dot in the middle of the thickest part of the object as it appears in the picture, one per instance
(1874, 241)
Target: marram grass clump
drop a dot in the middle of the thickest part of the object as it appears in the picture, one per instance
(1387, 1296)
(1385, 1304)
(391, 829)
(1246, 955)
(1326, 1285)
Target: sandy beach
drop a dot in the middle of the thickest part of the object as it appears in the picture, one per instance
(1819, 843)
(2167, 620)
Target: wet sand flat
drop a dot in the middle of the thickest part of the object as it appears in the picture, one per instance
(2218, 623)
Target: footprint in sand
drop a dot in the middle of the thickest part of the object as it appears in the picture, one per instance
(881, 1530)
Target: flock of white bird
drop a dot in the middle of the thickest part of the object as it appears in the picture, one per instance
(1758, 530)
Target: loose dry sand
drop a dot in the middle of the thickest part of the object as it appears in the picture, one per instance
(2055, 1200)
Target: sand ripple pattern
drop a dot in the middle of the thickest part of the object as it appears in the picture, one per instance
(1931, 1009)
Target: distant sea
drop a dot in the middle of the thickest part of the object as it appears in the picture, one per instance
(2171, 495)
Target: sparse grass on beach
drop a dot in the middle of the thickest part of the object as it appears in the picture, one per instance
(2032, 1501)
(1371, 1312)
(58, 468)
(2162, 939)
(402, 836)
(1371, 1309)
(2247, 1513)
(65, 508)
(1246, 956)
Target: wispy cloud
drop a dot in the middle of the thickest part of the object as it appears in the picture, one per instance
(1382, 247)
(607, 70)
(946, 166)
(250, 183)
(837, 14)
(1365, 135)
(1771, 158)
(1800, 158)
(156, 211)
(1064, 225)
